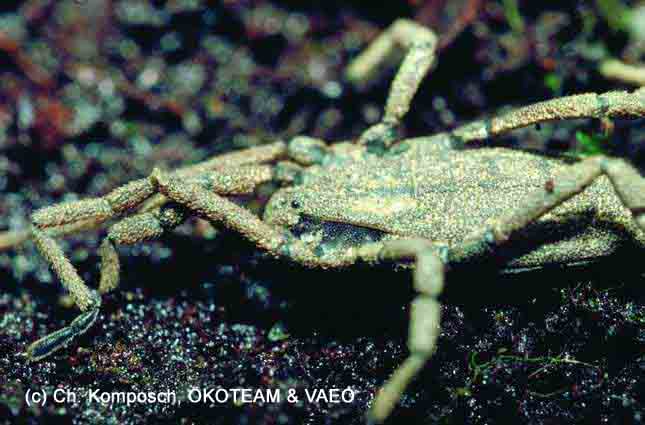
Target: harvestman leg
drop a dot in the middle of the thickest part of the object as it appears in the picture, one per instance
(219, 210)
(89, 214)
(153, 224)
(420, 43)
(88, 301)
(612, 104)
(428, 278)
(429, 274)
(628, 184)
(425, 318)
(429, 271)
(130, 230)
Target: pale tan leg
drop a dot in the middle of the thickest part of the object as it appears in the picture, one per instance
(218, 210)
(221, 211)
(86, 299)
(628, 183)
(420, 43)
(77, 215)
(613, 104)
(425, 319)
(236, 176)
(130, 230)
(98, 210)
(429, 273)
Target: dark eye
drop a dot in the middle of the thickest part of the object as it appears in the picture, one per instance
(295, 204)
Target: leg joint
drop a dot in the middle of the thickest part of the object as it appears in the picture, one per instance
(171, 215)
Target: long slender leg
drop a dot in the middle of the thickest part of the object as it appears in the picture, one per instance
(132, 229)
(420, 43)
(613, 104)
(218, 209)
(76, 215)
(628, 183)
(125, 198)
(249, 156)
(235, 172)
(429, 275)
(86, 299)
(428, 278)
(425, 319)
(129, 231)
(71, 216)
(240, 180)
(12, 239)
(83, 296)
(99, 210)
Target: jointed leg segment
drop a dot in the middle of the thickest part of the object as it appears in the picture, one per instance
(628, 183)
(86, 299)
(420, 43)
(83, 296)
(425, 318)
(218, 209)
(131, 230)
(146, 225)
(429, 272)
(99, 210)
(614, 104)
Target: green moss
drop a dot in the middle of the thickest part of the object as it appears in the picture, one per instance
(513, 16)
(590, 144)
(553, 81)
(616, 13)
